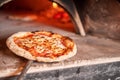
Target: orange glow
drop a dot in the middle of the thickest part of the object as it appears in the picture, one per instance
(54, 5)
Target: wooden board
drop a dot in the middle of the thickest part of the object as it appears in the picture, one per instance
(91, 50)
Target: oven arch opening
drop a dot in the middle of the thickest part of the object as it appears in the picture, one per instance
(46, 13)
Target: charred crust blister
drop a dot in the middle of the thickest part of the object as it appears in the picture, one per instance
(35, 31)
(66, 37)
(51, 32)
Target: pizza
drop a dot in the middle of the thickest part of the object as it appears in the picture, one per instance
(42, 46)
(28, 17)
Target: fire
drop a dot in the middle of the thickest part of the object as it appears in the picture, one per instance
(55, 5)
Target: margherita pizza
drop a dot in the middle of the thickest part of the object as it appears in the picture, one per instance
(42, 46)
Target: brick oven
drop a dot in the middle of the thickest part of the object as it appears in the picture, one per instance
(94, 25)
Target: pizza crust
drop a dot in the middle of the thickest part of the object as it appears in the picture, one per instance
(61, 58)
(16, 49)
(23, 53)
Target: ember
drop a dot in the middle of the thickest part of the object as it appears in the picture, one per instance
(60, 14)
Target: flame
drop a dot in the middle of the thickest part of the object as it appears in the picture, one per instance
(55, 5)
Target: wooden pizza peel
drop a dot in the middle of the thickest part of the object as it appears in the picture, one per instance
(25, 69)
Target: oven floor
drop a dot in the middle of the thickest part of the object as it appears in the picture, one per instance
(90, 50)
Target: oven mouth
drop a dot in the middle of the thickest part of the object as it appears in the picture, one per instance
(48, 13)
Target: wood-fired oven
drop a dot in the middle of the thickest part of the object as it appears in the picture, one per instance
(94, 25)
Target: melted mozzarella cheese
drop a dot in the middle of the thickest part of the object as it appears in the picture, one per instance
(49, 45)
(42, 43)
